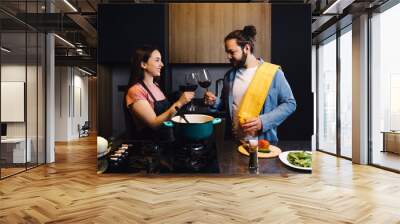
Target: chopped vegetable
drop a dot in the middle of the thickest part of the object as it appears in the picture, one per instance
(264, 150)
(263, 146)
(302, 159)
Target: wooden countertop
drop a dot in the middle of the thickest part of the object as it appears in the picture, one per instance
(232, 162)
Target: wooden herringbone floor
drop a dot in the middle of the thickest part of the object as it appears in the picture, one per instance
(70, 191)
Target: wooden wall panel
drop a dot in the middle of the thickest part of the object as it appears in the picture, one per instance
(202, 31)
(182, 32)
(197, 30)
(104, 95)
(92, 85)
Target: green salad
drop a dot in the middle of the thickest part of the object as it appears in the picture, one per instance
(302, 159)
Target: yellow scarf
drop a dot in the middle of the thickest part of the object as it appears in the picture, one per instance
(254, 98)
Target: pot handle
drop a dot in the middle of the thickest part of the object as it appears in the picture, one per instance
(168, 124)
(216, 120)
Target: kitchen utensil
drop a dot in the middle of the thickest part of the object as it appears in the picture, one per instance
(181, 114)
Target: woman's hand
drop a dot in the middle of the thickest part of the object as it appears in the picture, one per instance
(185, 98)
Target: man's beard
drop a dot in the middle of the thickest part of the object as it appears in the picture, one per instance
(239, 63)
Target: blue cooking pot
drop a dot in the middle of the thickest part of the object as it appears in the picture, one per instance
(200, 126)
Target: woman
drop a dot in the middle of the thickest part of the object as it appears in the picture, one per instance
(146, 107)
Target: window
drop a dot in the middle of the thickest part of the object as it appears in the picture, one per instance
(385, 88)
(327, 96)
(346, 93)
(22, 65)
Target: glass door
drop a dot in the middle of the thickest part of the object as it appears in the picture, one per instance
(345, 60)
(13, 100)
(385, 89)
(22, 64)
(327, 96)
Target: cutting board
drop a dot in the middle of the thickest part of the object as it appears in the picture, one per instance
(275, 151)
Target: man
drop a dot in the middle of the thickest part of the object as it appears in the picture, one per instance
(237, 99)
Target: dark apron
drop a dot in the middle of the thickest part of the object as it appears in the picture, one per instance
(147, 133)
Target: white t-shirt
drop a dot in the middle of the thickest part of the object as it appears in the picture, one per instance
(240, 85)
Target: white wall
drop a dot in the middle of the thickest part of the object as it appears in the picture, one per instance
(71, 94)
(16, 72)
(61, 103)
(50, 93)
(80, 97)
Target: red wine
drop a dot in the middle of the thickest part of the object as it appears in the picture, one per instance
(188, 88)
(205, 84)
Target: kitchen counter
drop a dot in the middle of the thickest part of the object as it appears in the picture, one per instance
(232, 162)
(226, 159)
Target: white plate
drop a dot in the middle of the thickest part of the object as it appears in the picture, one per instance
(283, 157)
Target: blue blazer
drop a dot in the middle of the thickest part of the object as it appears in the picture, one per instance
(280, 103)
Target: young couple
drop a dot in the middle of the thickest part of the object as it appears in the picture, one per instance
(255, 94)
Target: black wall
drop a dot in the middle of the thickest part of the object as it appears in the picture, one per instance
(122, 28)
(291, 49)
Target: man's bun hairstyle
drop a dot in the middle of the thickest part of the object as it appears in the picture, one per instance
(250, 31)
(243, 37)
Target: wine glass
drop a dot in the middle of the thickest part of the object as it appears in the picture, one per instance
(253, 152)
(204, 79)
(191, 86)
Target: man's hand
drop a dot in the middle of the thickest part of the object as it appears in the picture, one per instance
(252, 126)
(209, 98)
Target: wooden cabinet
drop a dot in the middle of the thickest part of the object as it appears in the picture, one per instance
(197, 30)
(391, 141)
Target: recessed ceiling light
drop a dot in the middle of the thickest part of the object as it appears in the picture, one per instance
(64, 40)
(5, 50)
(70, 5)
(84, 71)
(337, 7)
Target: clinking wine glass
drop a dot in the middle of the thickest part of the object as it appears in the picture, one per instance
(204, 79)
(191, 86)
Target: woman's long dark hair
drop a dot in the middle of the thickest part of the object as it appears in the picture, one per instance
(141, 54)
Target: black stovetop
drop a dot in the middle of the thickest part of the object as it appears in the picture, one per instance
(167, 157)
